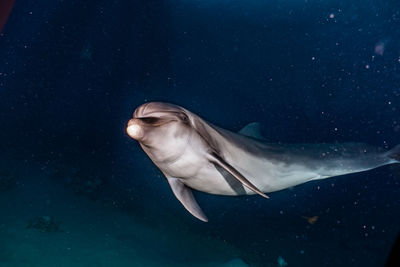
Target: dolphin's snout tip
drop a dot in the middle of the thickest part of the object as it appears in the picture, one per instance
(134, 129)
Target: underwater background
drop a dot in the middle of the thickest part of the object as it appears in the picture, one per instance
(75, 190)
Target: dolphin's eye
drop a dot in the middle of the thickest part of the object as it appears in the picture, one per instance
(184, 118)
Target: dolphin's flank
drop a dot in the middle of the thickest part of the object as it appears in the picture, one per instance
(194, 154)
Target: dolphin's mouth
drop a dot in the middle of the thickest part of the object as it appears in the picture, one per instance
(152, 121)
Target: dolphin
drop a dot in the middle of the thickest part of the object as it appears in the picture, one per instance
(195, 154)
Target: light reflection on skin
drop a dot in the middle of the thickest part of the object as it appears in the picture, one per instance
(134, 130)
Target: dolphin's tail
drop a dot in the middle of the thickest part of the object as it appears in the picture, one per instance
(394, 153)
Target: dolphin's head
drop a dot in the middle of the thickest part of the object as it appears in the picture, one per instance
(160, 126)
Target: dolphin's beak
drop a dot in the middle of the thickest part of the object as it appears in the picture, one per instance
(134, 129)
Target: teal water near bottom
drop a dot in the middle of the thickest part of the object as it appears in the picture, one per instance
(243, 231)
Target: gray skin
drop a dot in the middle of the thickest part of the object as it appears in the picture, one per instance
(194, 154)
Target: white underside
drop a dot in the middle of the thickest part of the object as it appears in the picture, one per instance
(198, 173)
(263, 175)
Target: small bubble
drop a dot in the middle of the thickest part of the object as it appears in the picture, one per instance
(331, 16)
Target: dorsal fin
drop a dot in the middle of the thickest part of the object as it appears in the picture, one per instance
(252, 130)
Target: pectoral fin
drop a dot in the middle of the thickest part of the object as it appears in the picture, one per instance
(185, 195)
(216, 159)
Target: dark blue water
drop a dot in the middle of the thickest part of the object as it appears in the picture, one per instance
(72, 73)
